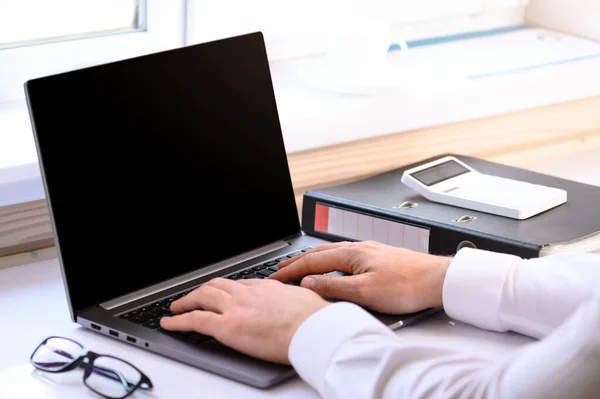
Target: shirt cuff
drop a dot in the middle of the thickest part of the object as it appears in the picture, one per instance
(473, 286)
(317, 340)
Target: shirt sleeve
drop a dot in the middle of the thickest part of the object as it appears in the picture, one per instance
(343, 352)
(503, 292)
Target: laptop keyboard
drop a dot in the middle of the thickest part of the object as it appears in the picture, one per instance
(149, 315)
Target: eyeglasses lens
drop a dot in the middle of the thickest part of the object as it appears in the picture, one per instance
(112, 377)
(56, 354)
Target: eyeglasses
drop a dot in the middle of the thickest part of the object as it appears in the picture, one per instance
(108, 376)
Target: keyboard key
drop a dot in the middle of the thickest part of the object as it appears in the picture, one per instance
(175, 334)
(140, 318)
(154, 313)
(266, 272)
(294, 254)
(270, 263)
(129, 315)
(281, 258)
(259, 267)
(274, 268)
(188, 336)
(252, 276)
(235, 277)
(246, 272)
(164, 310)
(196, 338)
(307, 249)
(152, 324)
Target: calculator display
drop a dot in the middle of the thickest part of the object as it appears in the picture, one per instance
(439, 173)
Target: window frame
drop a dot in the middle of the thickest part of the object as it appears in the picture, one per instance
(164, 29)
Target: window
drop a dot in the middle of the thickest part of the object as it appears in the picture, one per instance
(26, 22)
(314, 106)
(297, 28)
(39, 37)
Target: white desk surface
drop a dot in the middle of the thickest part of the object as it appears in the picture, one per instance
(33, 306)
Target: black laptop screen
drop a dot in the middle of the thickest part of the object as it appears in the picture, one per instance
(162, 164)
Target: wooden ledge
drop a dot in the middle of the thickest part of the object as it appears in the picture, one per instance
(25, 227)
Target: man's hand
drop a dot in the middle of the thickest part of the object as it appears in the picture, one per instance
(256, 317)
(383, 278)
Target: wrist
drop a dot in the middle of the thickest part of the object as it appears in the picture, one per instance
(440, 267)
(307, 312)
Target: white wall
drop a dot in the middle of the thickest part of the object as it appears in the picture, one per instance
(576, 17)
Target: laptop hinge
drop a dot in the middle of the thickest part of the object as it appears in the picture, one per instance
(174, 282)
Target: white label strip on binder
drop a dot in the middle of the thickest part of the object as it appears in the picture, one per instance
(356, 226)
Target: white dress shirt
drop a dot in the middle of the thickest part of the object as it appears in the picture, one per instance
(343, 352)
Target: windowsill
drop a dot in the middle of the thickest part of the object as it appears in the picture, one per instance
(433, 93)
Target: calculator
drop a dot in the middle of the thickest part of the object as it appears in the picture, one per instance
(450, 181)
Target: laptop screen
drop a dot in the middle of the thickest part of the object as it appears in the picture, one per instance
(162, 164)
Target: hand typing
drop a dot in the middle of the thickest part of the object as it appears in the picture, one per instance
(383, 278)
(256, 317)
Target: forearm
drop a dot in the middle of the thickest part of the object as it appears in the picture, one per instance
(345, 360)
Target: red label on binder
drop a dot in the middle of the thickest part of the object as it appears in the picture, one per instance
(321, 218)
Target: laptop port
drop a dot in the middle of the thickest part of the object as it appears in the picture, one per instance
(131, 339)
(113, 333)
(96, 327)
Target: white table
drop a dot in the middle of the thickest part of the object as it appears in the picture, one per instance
(33, 306)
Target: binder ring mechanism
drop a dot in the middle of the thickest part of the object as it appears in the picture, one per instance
(465, 244)
(464, 219)
(406, 205)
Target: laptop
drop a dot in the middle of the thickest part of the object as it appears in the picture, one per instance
(162, 172)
